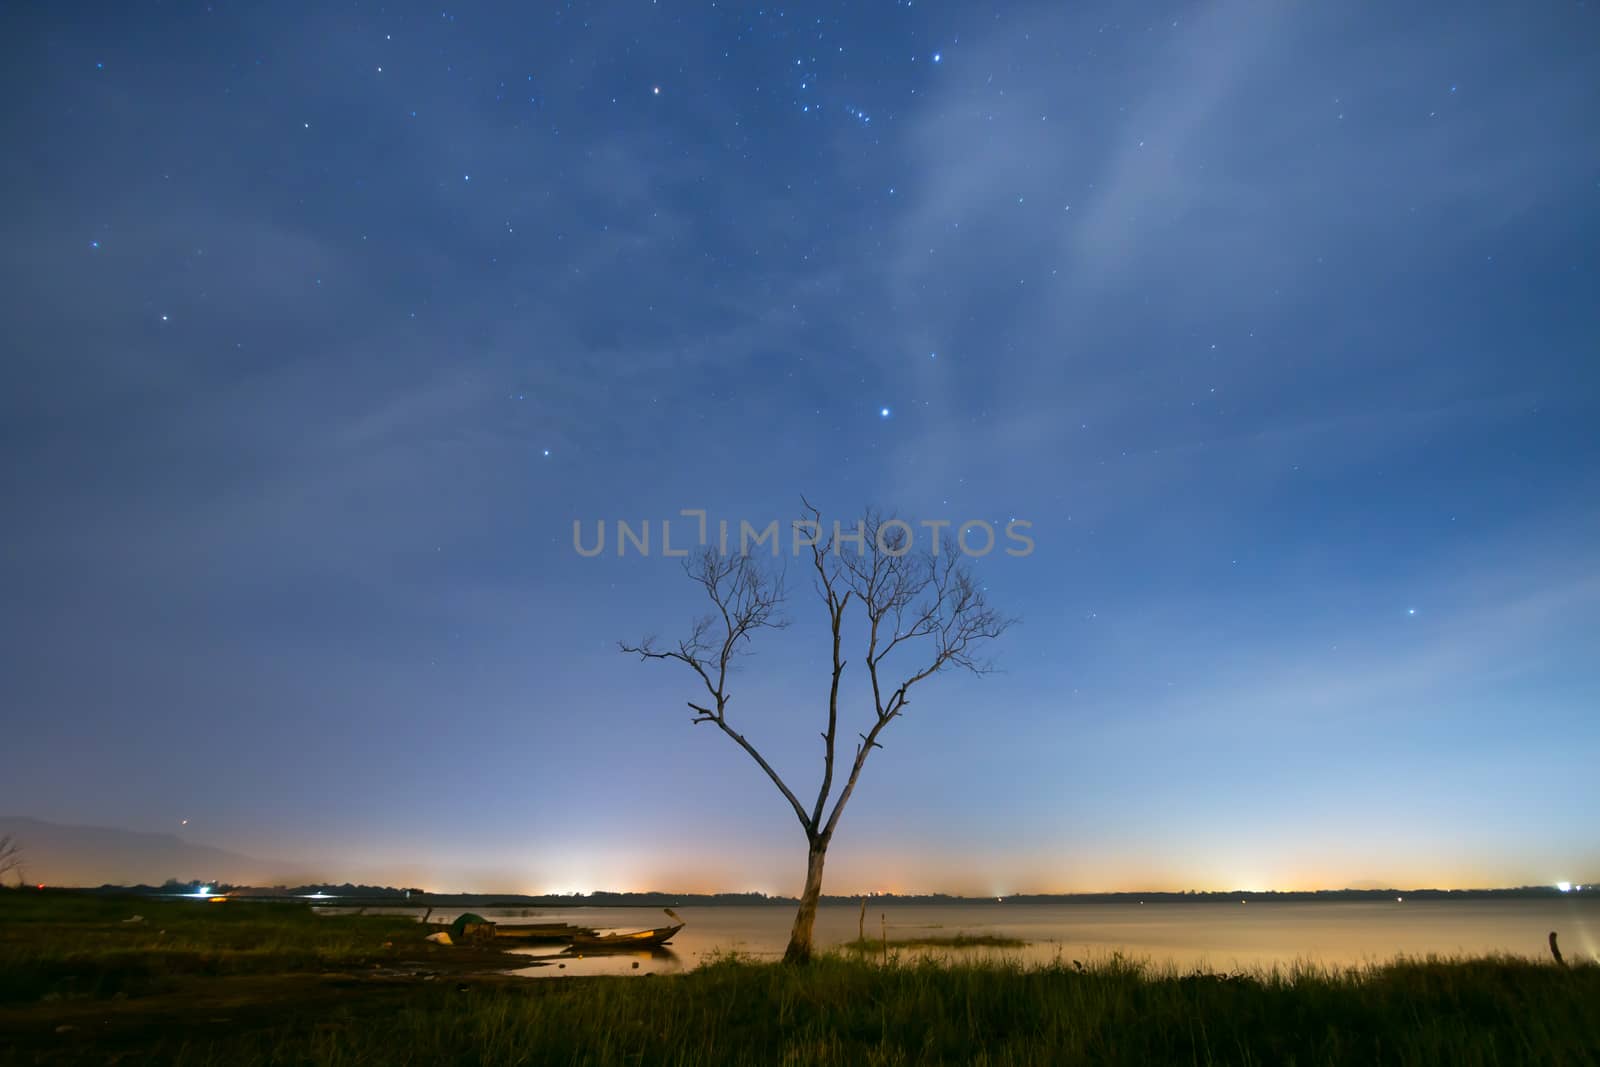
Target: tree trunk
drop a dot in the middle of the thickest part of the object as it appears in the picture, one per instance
(799, 950)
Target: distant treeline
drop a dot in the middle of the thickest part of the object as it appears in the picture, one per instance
(388, 895)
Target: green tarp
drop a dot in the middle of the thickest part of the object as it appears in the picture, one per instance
(458, 929)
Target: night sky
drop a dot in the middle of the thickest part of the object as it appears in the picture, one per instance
(324, 322)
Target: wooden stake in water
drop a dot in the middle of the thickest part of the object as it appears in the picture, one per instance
(861, 924)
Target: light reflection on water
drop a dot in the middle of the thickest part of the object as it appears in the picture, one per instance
(555, 963)
(1211, 935)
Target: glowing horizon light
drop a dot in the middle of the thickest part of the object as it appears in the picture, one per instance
(1565, 887)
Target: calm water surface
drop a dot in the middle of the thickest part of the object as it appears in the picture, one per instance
(1214, 936)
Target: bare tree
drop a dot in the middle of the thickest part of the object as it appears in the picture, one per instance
(921, 606)
(10, 857)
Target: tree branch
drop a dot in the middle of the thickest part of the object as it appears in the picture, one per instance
(927, 595)
(745, 599)
(925, 600)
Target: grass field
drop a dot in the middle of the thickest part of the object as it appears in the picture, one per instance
(257, 984)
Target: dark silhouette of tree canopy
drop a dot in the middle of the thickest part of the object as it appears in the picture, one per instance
(920, 606)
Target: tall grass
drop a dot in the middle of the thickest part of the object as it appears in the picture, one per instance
(845, 1012)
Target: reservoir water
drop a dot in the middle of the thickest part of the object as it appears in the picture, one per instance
(1213, 935)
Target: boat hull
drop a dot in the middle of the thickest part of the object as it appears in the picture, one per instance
(593, 942)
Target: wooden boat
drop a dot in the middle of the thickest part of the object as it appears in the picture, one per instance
(541, 932)
(591, 941)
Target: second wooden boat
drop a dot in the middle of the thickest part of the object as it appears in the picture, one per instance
(591, 941)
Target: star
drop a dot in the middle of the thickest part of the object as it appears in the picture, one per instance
(655, 90)
(938, 57)
(1411, 611)
(883, 413)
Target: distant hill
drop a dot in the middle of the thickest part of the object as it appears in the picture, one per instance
(58, 854)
